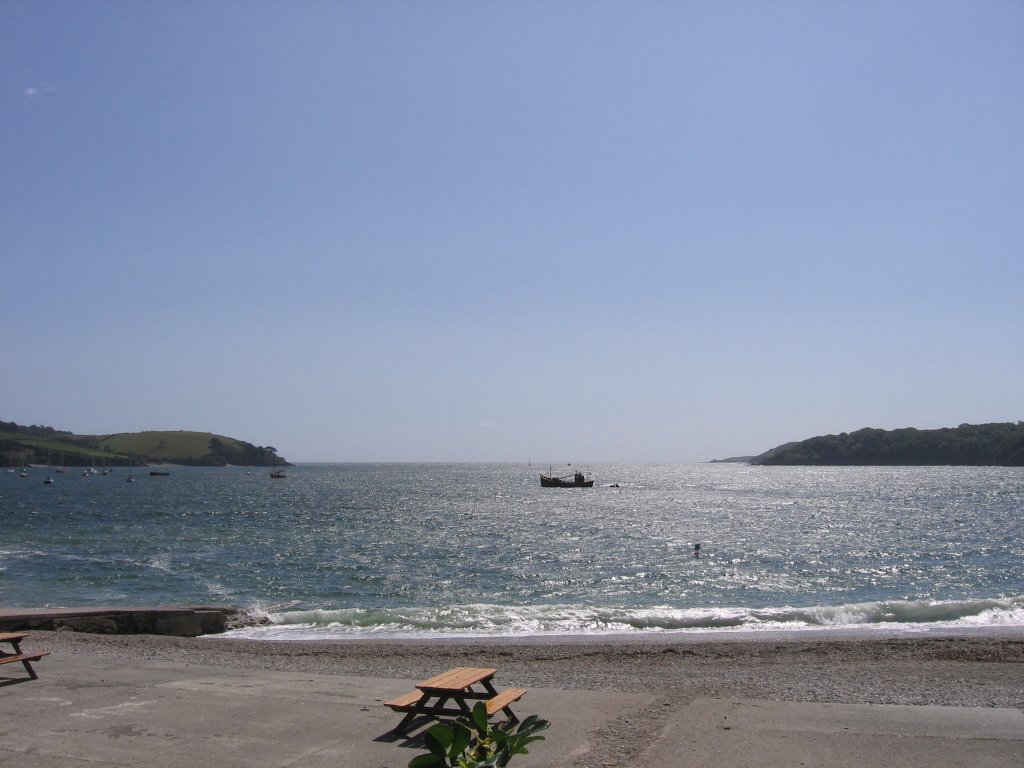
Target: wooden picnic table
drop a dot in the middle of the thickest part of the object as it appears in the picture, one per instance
(459, 687)
(14, 640)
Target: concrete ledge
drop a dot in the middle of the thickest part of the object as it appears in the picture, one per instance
(178, 622)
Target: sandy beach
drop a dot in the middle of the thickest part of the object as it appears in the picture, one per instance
(687, 700)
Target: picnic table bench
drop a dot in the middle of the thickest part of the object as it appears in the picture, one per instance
(431, 697)
(14, 640)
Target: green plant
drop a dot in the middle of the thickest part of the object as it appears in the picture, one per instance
(473, 742)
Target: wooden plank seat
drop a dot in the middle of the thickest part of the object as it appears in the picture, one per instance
(502, 701)
(495, 704)
(14, 639)
(404, 703)
(25, 658)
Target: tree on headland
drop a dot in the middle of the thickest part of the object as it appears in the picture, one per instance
(1000, 444)
(1010, 452)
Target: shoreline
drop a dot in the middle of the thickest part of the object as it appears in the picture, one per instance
(977, 669)
(739, 635)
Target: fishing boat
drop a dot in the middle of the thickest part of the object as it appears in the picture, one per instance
(576, 479)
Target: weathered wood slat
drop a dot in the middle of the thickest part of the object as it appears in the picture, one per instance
(457, 679)
(503, 699)
(405, 702)
(23, 657)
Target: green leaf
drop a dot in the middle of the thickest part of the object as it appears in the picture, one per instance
(532, 724)
(438, 739)
(473, 742)
(460, 740)
(480, 718)
(423, 761)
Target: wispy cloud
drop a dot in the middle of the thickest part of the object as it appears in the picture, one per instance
(35, 90)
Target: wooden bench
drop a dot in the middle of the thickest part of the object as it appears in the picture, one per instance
(404, 703)
(15, 638)
(25, 658)
(431, 696)
(495, 704)
(502, 701)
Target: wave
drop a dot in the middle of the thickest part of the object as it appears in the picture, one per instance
(483, 620)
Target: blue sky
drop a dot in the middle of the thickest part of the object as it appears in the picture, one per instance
(558, 231)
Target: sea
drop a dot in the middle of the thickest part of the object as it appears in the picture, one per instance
(357, 551)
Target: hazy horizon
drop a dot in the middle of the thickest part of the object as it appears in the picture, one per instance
(489, 232)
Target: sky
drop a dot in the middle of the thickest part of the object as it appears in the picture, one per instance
(521, 231)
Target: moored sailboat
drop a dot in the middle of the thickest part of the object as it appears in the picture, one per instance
(277, 472)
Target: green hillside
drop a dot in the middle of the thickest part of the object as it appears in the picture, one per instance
(44, 445)
(1000, 444)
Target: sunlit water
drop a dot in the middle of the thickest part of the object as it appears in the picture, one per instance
(361, 550)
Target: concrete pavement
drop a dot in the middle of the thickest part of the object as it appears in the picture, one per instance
(771, 733)
(99, 712)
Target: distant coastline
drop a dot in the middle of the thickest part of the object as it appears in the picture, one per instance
(976, 445)
(38, 445)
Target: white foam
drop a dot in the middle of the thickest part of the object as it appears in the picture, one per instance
(484, 620)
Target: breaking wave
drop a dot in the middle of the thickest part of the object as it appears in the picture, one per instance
(482, 620)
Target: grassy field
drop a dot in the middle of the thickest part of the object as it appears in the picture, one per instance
(163, 445)
(128, 448)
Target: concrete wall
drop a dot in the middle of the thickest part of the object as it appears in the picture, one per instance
(180, 622)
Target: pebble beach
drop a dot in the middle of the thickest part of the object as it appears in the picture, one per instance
(975, 670)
